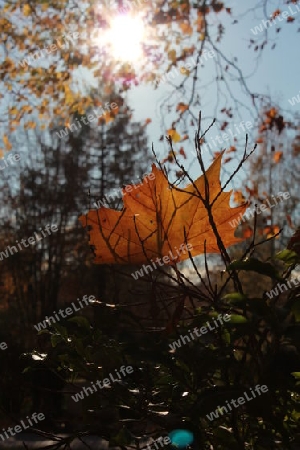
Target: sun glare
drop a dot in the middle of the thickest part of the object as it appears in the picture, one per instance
(125, 37)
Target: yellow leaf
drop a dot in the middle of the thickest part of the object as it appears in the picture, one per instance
(184, 71)
(26, 10)
(107, 117)
(174, 135)
(172, 55)
(271, 231)
(186, 28)
(13, 111)
(6, 142)
(69, 97)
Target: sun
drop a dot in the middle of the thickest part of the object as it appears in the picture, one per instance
(125, 37)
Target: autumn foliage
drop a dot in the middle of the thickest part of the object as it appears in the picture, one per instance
(157, 218)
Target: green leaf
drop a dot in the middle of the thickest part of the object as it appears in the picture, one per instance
(81, 322)
(56, 339)
(289, 257)
(43, 332)
(79, 347)
(235, 297)
(237, 318)
(226, 335)
(123, 438)
(226, 438)
(296, 374)
(296, 310)
(60, 330)
(254, 265)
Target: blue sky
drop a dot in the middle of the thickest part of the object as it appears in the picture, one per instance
(275, 74)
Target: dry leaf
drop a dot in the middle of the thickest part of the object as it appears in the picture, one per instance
(289, 221)
(182, 107)
(238, 197)
(217, 155)
(170, 158)
(184, 71)
(271, 231)
(172, 55)
(182, 152)
(231, 149)
(26, 10)
(186, 28)
(276, 13)
(277, 156)
(155, 218)
(174, 135)
(247, 232)
(7, 144)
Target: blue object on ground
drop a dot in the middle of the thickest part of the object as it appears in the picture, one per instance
(181, 438)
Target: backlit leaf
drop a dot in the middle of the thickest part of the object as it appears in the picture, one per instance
(174, 135)
(186, 28)
(155, 220)
(182, 107)
(277, 156)
(172, 55)
(26, 10)
(7, 143)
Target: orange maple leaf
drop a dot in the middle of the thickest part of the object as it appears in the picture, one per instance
(156, 218)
